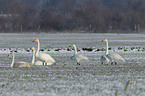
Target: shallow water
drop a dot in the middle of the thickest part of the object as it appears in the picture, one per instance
(66, 78)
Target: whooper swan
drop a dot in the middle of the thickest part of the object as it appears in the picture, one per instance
(37, 62)
(76, 56)
(22, 64)
(45, 58)
(110, 58)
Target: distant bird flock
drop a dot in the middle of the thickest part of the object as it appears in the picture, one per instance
(46, 59)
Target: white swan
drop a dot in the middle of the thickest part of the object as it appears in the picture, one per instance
(77, 57)
(37, 62)
(22, 64)
(45, 58)
(110, 58)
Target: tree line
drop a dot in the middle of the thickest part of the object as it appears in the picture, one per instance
(72, 15)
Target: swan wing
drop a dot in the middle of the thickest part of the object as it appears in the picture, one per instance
(38, 63)
(80, 57)
(26, 65)
(22, 64)
(45, 58)
(116, 56)
(43, 63)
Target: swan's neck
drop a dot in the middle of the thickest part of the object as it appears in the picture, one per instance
(38, 48)
(12, 64)
(33, 57)
(106, 52)
(75, 52)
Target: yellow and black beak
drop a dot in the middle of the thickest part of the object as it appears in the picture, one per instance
(103, 40)
(34, 40)
(32, 48)
(70, 45)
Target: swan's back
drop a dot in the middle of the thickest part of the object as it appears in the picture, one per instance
(22, 64)
(80, 57)
(115, 56)
(38, 63)
(46, 58)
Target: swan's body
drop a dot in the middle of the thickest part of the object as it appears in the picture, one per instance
(37, 62)
(110, 58)
(22, 64)
(42, 63)
(45, 58)
(77, 57)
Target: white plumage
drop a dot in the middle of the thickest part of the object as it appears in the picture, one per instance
(77, 57)
(22, 64)
(45, 58)
(38, 63)
(110, 58)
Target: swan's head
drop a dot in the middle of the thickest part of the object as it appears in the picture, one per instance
(104, 40)
(32, 48)
(11, 54)
(35, 40)
(72, 45)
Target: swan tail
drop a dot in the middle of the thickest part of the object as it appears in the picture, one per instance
(123, 59)
(120, 58)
